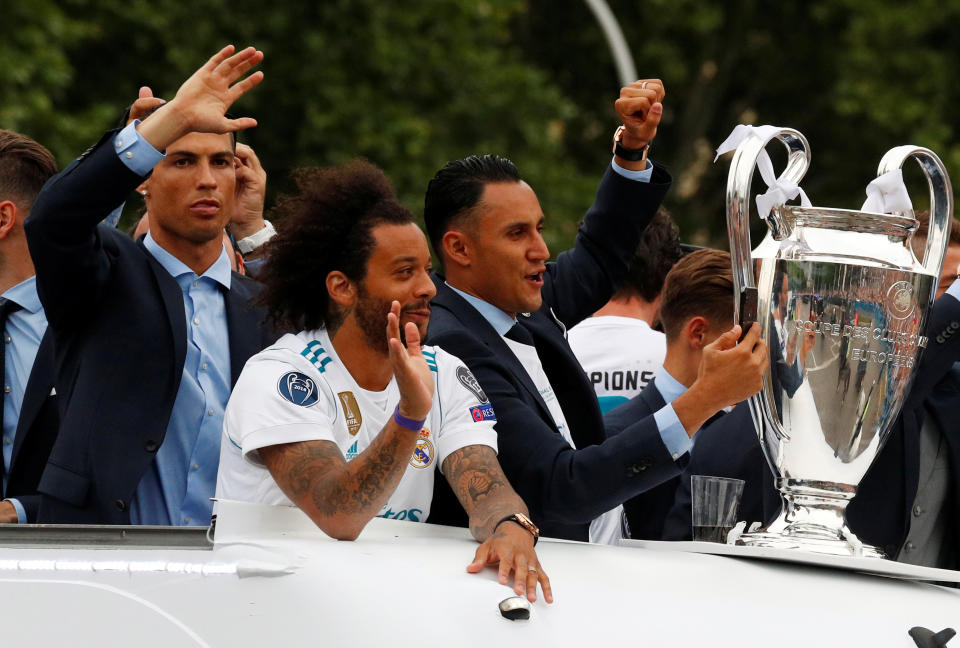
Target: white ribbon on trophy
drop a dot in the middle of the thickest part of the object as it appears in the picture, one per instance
(886, 194)
(778, 191)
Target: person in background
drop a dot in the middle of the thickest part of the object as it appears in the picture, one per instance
(618, 347)
(28, 407)
(696, 308)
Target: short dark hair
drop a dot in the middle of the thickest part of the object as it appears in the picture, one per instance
(658, 251)
(457, 188)
(25, 166)
(327, 225)
(700, 284)
(919, 240)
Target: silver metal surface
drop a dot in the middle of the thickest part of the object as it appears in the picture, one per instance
(104, 536)
(842, 302)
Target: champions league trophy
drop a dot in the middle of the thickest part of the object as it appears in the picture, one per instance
(842, 302)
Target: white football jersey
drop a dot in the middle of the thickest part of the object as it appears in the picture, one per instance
(299, 390)
(620, 356)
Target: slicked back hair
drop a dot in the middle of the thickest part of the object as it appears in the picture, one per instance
(700, 284)
(658, 251)
(25, 166)
(326, 226)
(457, 188)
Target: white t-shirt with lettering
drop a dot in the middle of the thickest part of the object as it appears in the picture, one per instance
(620, 355)
(299, 390)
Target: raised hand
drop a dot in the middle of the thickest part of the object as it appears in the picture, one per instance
(201, 103)
(145, 103)
(409, 367)
(640, 108)
(251, 188)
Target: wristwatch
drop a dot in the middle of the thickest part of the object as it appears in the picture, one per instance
(633, 155)
(255, 240)
(525, 522)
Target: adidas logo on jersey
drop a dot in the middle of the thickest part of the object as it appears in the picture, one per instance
(352, 452)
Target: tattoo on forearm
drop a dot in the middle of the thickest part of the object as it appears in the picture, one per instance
(479, 483)
(316, 471)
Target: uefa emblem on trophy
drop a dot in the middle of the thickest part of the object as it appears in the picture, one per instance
(842, 302)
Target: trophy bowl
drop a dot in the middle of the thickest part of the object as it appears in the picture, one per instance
(842, 302)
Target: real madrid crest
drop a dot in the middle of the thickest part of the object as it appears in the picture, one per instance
(351, 412)
(423, 454)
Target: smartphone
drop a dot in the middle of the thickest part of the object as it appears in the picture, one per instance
(748, 310)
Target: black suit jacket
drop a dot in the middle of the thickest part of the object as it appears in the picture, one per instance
(119, 331)
(647, 512)
(880, 513)
(36, 431)
(563, 488)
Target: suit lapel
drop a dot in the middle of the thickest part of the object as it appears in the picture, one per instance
(39, 386)
(473, 321)
(173, 305)
(243, 326)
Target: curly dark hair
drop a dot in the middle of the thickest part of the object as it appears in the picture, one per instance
(327, 225)
(658, 251)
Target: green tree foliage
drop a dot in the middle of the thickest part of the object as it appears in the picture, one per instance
(410, 85)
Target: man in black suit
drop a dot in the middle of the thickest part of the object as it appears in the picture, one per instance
(148, 336)
(908, 503)
(504, 311)
(696, 307)
(28, 408)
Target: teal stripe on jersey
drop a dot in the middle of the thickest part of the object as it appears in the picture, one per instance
(431, 358)
(317, 356)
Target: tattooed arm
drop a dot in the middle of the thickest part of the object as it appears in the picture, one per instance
(341, 497)
(476, 477)
(483, 490)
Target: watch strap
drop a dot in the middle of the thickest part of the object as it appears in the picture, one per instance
(250, 243)
(523, 521)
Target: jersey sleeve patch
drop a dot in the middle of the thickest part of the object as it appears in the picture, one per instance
(482, 413)
(298, 389)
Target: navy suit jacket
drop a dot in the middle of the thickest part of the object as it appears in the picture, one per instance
(647, 512)
(119, 333)
(36, 431)
(563, 488)
(880, 513)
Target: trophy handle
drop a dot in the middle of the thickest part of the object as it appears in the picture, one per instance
(941, 202)
(738, 200)
(739, 180)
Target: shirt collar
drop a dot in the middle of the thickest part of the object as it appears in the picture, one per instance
(25, 294)
(219, 271)
(668, 386)
(498, 319)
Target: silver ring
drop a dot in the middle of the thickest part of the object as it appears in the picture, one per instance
(531, 568)
(643, 86)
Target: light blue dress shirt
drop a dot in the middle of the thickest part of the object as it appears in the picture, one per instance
(177, 488)
(21, 338)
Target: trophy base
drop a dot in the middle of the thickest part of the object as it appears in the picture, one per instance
(818, 545)
(812, 520)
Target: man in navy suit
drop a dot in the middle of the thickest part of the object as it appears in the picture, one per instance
(696, 307)
(908, 503)
(504, 311)
(149, 336)
(28, 410)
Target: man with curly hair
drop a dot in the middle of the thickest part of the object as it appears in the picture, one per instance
(350, 418)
